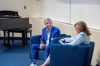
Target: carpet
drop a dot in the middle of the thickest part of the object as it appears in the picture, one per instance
(15, 55)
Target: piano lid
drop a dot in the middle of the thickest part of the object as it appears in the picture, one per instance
(9, 14)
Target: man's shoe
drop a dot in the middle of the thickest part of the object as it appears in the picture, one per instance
(33, 64)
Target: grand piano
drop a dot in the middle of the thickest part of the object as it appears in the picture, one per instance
(10, 21)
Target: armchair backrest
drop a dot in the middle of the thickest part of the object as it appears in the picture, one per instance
(55, 40)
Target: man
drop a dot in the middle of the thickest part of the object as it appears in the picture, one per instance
(48, 33)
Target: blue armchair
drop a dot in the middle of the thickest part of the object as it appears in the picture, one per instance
(67, 55)
(36, 40)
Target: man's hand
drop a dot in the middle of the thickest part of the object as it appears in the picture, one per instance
(42, 46)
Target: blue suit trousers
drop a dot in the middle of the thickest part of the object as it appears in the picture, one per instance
(36, 47)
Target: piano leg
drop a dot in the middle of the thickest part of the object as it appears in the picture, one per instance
(28, 31)
(8, 44)
(26, 37)
(12, 37)
(4, 37)
(23, 38)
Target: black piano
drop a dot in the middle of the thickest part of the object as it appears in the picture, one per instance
(10, 21)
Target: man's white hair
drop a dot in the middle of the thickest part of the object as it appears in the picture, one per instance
(47, 19)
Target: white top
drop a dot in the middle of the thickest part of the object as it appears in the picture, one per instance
(79, 39)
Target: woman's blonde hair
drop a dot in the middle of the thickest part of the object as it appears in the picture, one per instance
(83, 27)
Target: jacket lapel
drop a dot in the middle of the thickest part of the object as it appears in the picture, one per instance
(51, 32)
(45, 35)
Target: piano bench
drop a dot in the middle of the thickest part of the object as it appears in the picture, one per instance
(24, 35)
(28, 31)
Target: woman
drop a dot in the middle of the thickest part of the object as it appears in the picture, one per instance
(82, 37)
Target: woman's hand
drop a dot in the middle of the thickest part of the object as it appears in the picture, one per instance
(62, 39)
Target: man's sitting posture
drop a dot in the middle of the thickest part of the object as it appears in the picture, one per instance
(48, 33)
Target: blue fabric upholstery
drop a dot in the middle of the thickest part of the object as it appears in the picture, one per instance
(67, 55)
(36, 40)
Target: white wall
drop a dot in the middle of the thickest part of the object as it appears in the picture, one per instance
(32, 8)
(58, 10)
(72, 11)
(38, 24)
(18, 5)
(86, 10)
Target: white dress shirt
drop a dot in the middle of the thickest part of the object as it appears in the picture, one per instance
(48, 36)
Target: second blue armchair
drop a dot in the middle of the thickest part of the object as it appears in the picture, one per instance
(67, 55)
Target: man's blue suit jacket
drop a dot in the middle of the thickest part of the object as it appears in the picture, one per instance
(55, 32)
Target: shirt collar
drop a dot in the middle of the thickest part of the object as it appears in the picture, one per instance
(49, 30)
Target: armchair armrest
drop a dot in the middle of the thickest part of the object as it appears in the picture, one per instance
(34, 40)
(55, 40)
